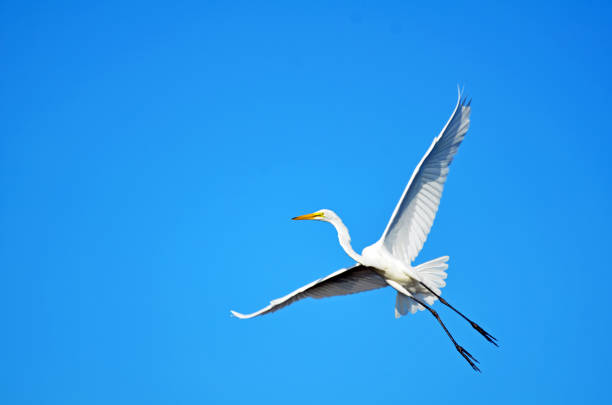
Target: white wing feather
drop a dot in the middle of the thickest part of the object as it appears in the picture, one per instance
(413, 217)
(342, 282)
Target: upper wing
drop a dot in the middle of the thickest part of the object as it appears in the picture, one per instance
(342, 282)
(414, 214)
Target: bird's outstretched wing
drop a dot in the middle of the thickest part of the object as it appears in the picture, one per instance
(342, 282)
(413, 217)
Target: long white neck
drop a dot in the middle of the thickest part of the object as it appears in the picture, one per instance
(344, 238)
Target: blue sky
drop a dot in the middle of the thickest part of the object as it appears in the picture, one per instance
(152, 155)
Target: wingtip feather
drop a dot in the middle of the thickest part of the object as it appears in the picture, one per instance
(238, 314)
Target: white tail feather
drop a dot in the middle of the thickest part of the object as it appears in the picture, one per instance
(432, 274)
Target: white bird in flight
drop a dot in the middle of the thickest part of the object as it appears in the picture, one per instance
(388, 262)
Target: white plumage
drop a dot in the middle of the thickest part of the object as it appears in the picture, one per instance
(355, 279)
(414, 214)
(388, 262)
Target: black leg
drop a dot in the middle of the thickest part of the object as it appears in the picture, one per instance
(466, 355)
(483, 332)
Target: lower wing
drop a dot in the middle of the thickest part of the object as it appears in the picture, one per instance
(342, 282)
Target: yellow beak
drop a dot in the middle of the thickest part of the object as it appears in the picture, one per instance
(314, 215)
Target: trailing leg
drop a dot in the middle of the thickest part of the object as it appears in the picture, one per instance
(464, 353)
(480, 330)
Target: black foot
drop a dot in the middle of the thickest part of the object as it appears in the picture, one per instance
(468, 357)
(484, 333)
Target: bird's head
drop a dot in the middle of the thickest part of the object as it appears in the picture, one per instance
(321, 215)
(331, 217)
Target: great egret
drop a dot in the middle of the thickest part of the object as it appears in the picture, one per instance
(388, 262)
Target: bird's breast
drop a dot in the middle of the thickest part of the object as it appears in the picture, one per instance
(385, 264)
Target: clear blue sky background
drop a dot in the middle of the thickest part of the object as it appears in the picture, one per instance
(151, 157)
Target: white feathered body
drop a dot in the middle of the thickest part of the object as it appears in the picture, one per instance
(388, 262)
(389, 267)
